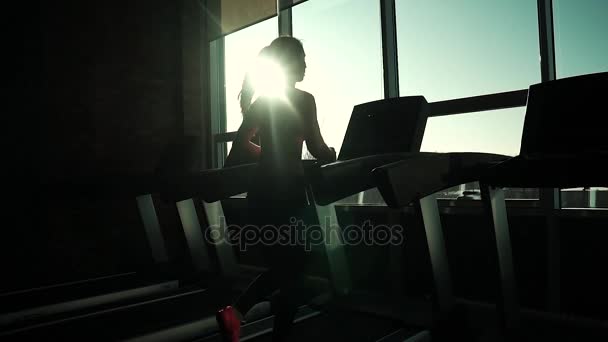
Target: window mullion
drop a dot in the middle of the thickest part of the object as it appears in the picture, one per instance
(389, 48)
(217, 98)
(547, 43)
(285, 18)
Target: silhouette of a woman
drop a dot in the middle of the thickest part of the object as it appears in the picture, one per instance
(283, 117)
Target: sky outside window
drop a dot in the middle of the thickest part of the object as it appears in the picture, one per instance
(455, 49)
(581, 36)
(343, 45)
(501, 132)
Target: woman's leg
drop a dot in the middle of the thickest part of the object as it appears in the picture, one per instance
(260, 288)
(290, 263)
(287, 303)
(265, 283)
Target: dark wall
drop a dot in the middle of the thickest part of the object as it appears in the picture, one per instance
(116, 84)
(110, 85)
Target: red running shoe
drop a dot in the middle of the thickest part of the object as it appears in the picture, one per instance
(229, 324)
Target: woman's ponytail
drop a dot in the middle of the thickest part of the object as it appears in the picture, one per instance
(248, 88)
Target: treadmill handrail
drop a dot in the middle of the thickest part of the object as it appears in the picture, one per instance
(209, 185)
(338, 180)
(553, 171)
(425, 173)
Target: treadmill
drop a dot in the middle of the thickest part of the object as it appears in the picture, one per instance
(348, 316)
(401, 122)
(20, 308)
(379, 133)
(130, 319)
(543, 161)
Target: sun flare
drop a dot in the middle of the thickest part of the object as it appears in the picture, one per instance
(268, 79)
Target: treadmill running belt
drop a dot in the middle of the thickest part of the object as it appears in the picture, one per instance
(131, 320)
(339, 326)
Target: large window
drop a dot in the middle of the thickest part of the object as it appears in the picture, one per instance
(446, 50)
(342, 41)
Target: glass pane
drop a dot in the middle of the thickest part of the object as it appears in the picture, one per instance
(581, 39)
(241, 49)
(469, 191)
(454, 49)
(496, 131)
(596, 197)
(343, 45)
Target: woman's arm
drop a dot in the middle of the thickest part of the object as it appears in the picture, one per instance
(243, 150)
(314, 141)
